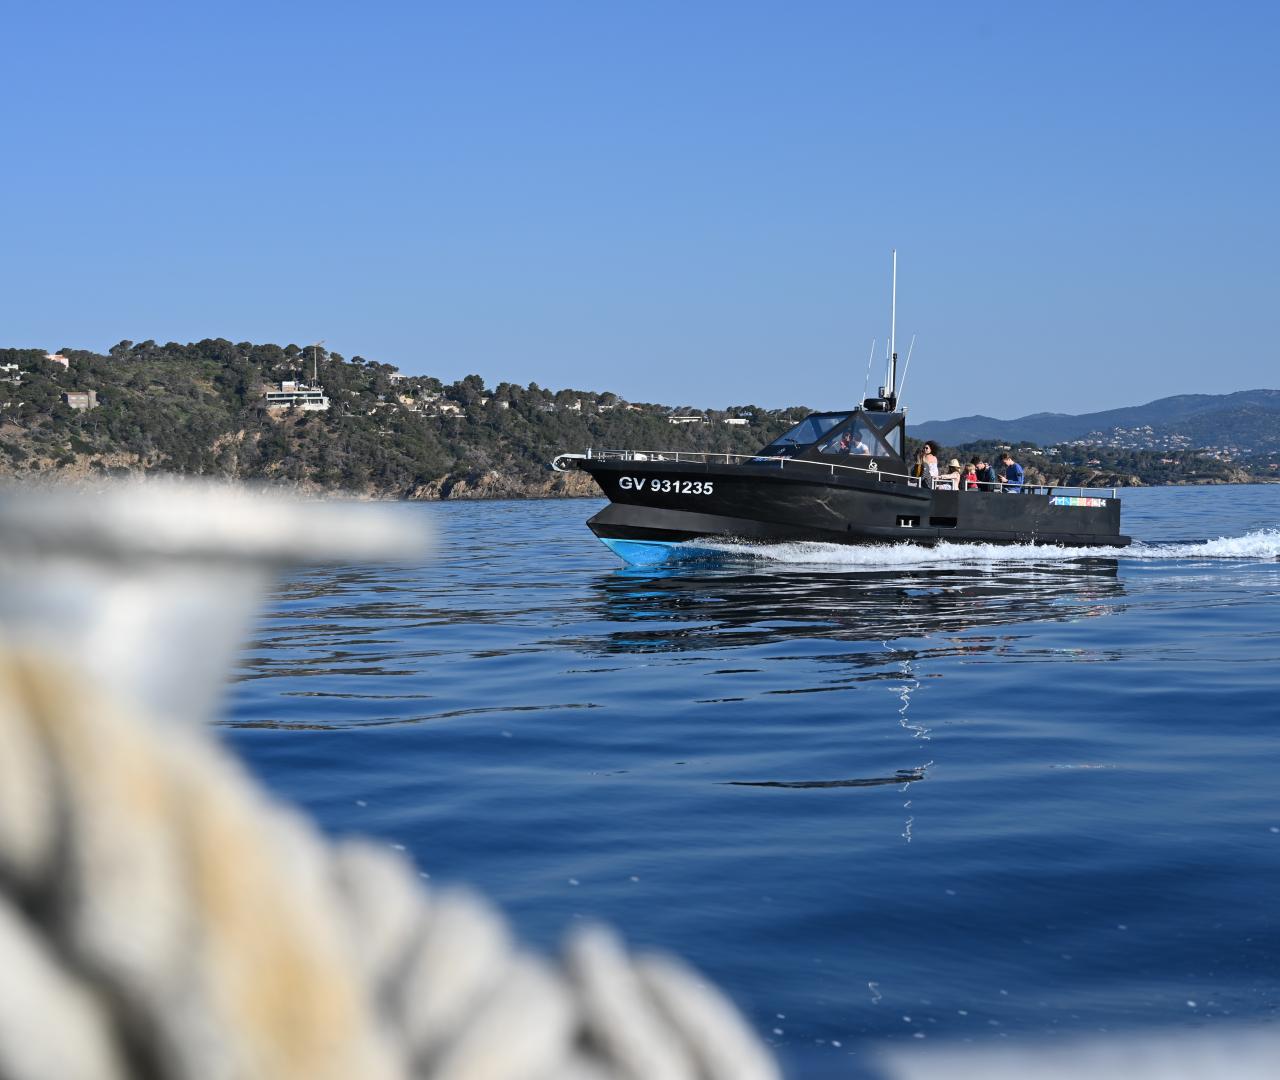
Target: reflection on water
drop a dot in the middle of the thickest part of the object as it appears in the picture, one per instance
(903, 776)
(395, 644)
(688, 608)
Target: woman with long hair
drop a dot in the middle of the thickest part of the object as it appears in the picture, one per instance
(929, 461)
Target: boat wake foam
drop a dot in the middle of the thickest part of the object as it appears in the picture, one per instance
(1261, 544)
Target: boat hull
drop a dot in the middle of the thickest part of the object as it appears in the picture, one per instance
(675, 502)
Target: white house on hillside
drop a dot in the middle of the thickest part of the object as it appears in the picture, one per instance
(296, 395)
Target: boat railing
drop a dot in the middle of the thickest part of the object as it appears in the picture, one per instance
(700, 457)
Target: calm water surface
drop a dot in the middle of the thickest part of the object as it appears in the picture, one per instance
(875, 794)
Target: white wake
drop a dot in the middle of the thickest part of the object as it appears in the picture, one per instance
(1261, 544)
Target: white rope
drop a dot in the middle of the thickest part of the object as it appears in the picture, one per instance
(161, 918)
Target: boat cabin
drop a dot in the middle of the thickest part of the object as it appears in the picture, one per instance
(862, 437)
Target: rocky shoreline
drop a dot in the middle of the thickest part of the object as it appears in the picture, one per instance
(494, 485)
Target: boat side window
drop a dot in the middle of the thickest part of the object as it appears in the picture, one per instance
(807, 432)
(856, 441)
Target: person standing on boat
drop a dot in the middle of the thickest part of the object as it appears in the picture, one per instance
(969, 482)
(950, 480)
(929, 464)
(1013, 474)
(986, 475)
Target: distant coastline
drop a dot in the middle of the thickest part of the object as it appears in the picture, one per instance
(313, 420)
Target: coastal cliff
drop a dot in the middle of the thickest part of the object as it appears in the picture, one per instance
(494, 485)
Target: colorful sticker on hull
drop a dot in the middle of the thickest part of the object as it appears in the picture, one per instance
(1076, 500)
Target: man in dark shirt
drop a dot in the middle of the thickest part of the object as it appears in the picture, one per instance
(986, 475)
(1013, 474)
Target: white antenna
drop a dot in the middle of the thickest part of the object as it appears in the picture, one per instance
(905, 368)
(893, 330)
(867, 381)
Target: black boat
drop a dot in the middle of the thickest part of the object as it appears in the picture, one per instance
(836, 477)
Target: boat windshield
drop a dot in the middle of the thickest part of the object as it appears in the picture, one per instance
(806, 433)
(859, 440)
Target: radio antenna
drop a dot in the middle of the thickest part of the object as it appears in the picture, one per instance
(905, 368)
(867, 381)
(893, 332)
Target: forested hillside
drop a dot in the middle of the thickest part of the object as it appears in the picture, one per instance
(199, 409)
(1104, 466)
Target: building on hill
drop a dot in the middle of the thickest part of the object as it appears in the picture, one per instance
(58, 358)
(297, 395)
(10, 373)
(81, 399)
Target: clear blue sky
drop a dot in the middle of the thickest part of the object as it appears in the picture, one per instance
(683, 202)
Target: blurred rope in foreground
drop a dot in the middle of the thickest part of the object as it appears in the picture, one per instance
(161, 917)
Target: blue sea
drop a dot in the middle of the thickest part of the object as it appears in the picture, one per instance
(877, 795)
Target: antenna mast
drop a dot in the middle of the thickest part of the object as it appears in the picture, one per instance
(893, 331)
(906, 370)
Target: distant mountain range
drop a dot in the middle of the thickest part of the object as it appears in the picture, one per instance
(1248, 421)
